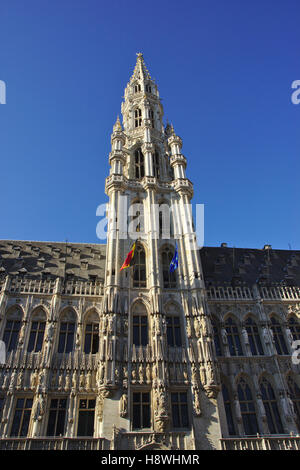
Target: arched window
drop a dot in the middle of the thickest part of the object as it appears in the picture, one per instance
(247, 408)
(295, 397)
(155, 161)
(137, 88)
(139, 325)
(12, 329)
(148, 89)
(228, 410)
(217, 337)
(254, 338)
(233, 338)
(169, 279)
(139, 267)
(151, 117)
(37, 331)
(294, 326)
(137, 117)
(136, 218)
(139, 164)
(271, 408)
(91, 334)
(173, 331)
(67, 332)
(280, 343)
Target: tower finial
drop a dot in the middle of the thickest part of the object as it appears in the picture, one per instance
(118, 125)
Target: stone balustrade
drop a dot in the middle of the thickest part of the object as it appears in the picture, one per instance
(262, 443)
(53, 443)
(245, 293)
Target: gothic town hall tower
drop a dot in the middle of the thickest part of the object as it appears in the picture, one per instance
(101, 356)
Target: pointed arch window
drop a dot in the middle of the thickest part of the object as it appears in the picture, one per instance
(151, 117)
(155, 162)
(139, 267)
(217, 337)
(254, 338)
(169, 279)
(91, 334)
(148, 89)
(137, 88)
(280, 343)
(173, 331)
(295, 397)
(37, 332)
(233, 337)
(12, 330)
(294, 326)
(271, 408)
(247, 406)
(139, 325)
(139, 164)
(228, 410)
(137, 117)
(66, 333)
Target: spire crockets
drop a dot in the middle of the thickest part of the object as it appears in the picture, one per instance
(140, 70)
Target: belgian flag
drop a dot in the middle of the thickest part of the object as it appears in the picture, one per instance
(129, 257)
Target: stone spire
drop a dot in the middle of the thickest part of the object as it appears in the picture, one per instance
(140, 70)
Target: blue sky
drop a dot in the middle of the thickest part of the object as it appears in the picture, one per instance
(224, 71)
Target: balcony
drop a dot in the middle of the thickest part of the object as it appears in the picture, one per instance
(261, 443)
(50, 443)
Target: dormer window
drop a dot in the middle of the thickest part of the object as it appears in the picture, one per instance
(138, 117)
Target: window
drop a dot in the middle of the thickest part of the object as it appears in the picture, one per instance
(270, 404)
(137, 117)
(140, 410)
(137, 88)
(280, 344)
(139, 267)
(86, 417)
(91, 340)
(2, 400)
(21, 417)
(148, 88)
(233, 338)
(57, 417)
(247, 408)
(67, 332)
(151, 117)
(140, 330)
(294, 326)
(12, 330)
(228, 411)
(139, 164)
(155, 162)
(169, 279)
(36, 336)
(295, 397)
(173, 331)
(254, 338)
(179, 406)
(217, 338)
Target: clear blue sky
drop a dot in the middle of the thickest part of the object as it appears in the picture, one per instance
(224, 70)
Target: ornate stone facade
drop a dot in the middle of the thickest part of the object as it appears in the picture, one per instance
(142, 359)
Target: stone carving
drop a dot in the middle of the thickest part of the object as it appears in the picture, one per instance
(124, 405)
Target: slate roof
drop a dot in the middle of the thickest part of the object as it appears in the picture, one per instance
(85, 261)
(247, 266)
(81, 261)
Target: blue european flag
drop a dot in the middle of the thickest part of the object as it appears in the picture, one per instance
(174, 262)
